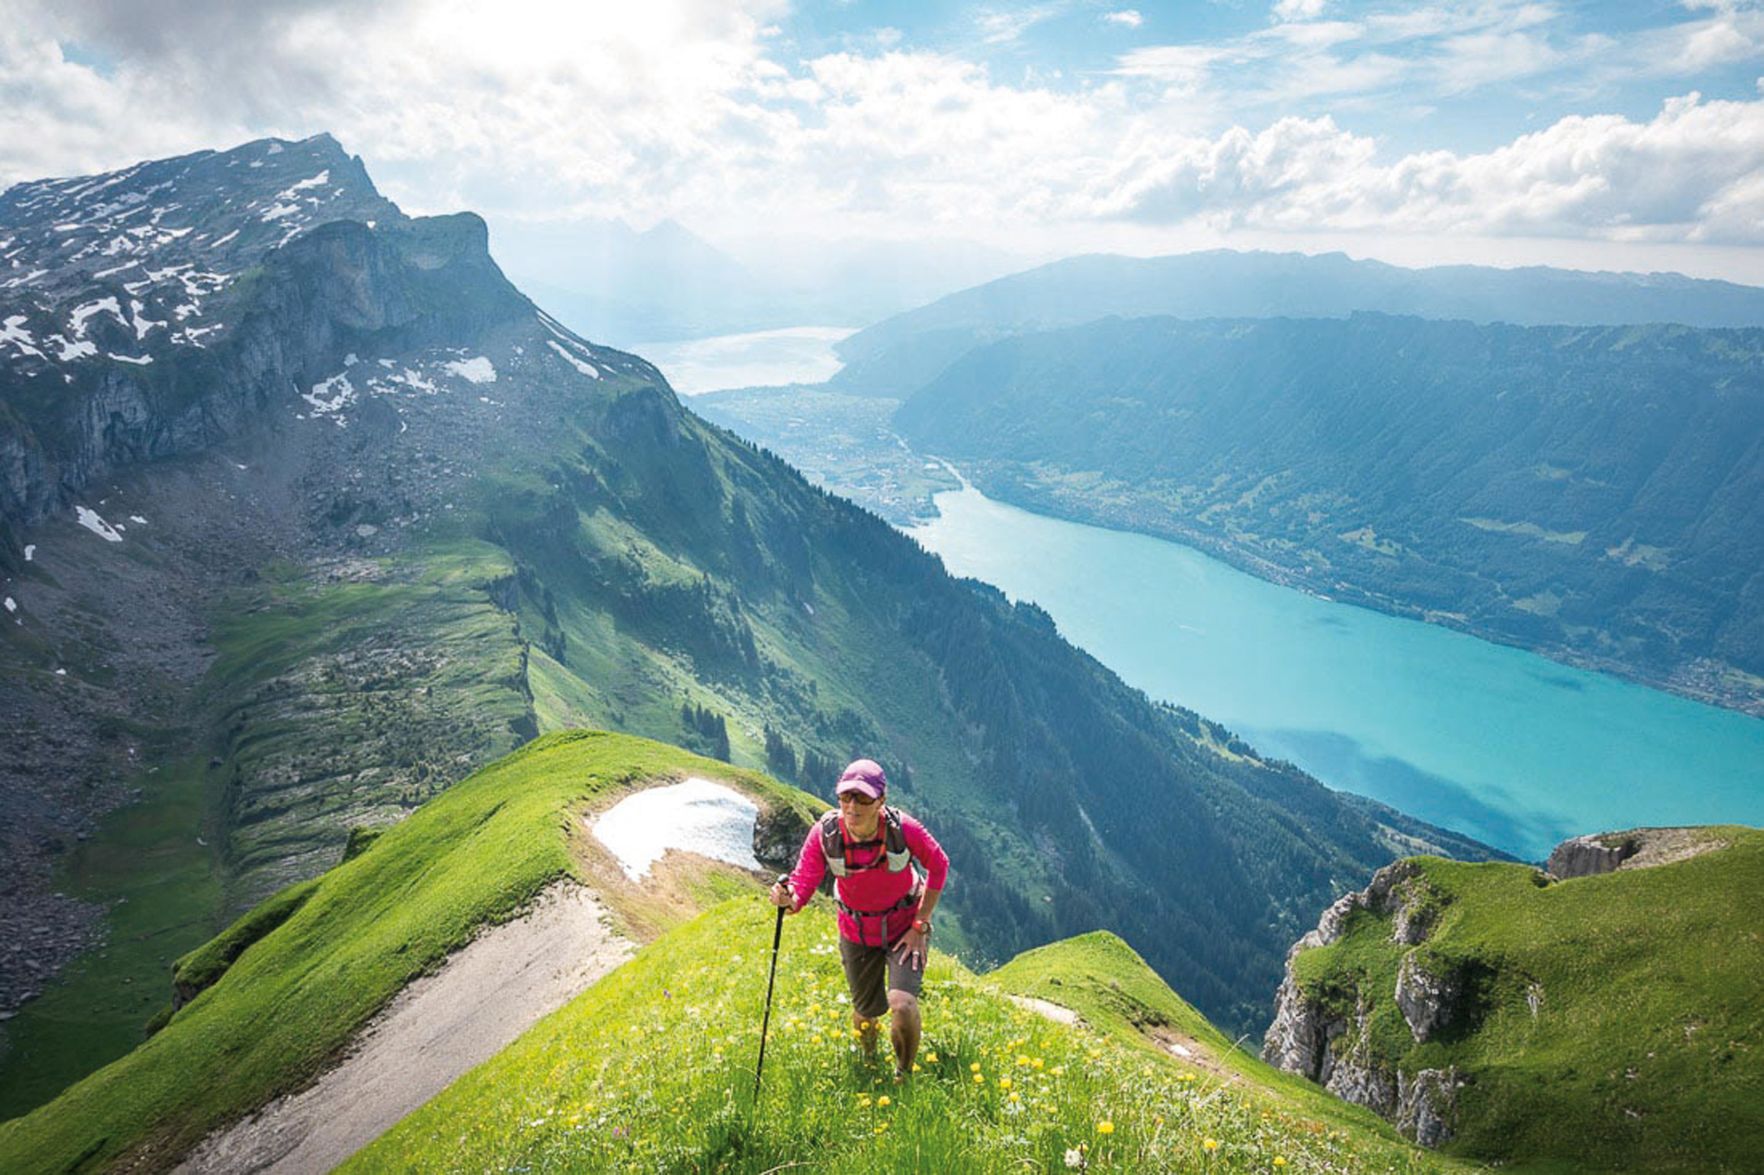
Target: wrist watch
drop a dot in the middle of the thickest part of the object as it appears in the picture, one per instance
(922, 926)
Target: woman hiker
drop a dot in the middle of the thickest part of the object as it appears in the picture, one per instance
(884, 906)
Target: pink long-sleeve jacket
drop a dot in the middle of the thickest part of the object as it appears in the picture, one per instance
(871, 889)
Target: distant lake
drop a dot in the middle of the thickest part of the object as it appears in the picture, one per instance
(1513, 749)
(765, 358)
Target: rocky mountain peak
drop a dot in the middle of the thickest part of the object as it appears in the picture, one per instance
(120, 267)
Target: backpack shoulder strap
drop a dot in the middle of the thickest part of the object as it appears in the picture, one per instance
(832, 843)
(894, 833)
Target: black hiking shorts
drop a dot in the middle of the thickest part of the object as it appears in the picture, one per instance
(865, 968)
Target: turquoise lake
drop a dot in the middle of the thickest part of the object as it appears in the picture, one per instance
(1513, 749)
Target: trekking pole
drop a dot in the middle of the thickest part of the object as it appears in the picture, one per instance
(777, 932)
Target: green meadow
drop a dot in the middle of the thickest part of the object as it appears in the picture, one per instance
(652, 1069)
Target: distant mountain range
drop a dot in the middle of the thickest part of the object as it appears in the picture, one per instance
(898, 355)
(620, 285)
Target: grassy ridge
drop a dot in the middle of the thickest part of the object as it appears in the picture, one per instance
(1106, 982)
(1609, 1022)
(291, 1000)
(652, 1069)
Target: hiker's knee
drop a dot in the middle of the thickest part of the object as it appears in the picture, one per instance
(903, 1003)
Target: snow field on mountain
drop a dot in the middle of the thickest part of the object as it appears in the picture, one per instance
(694, 816)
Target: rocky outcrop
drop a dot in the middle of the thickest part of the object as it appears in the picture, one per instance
(1584, 856)
(1426, 1104)
(778, 835)
(1319, 1040)
(1636, 848)
(1428, 1000)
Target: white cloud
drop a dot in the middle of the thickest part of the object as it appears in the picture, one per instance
(1695, 172)
(692, 109)
(1002, 26)
(1127, 17)
(1298, 9)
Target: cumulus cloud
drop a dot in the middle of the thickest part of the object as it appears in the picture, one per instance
(1298, 9)
(1127, 17)
(1695, 172)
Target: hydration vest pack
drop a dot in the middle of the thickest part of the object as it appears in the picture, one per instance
(895, 857)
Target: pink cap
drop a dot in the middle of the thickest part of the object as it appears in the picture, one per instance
(865, 777)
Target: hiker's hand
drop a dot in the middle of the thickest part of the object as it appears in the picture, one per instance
(782, 897)
(914, 949)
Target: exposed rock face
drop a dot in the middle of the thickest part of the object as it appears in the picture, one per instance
(1425, 1103)
(777, 836)
(1335, 1050)
(1426, 999)
(1637, 848)
(1586, 855)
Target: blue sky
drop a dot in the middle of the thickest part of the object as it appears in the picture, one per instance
(1600, 135)
(1522, 66)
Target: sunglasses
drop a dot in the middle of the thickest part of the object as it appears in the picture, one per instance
(857, 798)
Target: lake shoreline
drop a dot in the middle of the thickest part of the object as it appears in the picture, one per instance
(1687, 683)
(1489, 740)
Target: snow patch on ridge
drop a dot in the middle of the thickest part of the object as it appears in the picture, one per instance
(477, 369)
(90, 520)
(694, 816)
(13, 331)
(330, 395)
(586, 369)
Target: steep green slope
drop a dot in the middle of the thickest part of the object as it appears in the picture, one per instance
(1601, 1023)
(1582, 491)
(653, 1068)
(292, 981)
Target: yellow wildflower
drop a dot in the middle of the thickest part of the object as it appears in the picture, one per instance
(1004, 1082)
(1015, 1098)
(1105, 1127)
(1022, 1061)
(931, 1057)
(974, 1068)
(1058, 1070)
(1036, 1062)
(915, 1066)
(864, 1101)
(1211, 1144)
(884, 1100)
(979, 1079)
(1280, 1160)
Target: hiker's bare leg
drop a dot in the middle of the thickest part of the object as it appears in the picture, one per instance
(903, 1029)
(866, 1030)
